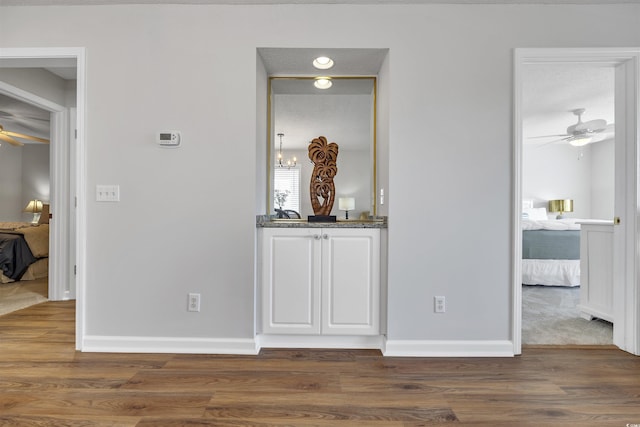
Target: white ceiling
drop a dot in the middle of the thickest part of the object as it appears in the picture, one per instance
(551, 92)
(114, 2)
(298, 62)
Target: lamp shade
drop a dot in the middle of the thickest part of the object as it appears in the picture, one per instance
(34, 206)
(565, 205)
(346, 203)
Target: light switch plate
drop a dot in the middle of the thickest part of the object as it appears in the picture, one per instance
(107, 193)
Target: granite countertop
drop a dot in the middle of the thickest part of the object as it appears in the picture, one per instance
(265, 221)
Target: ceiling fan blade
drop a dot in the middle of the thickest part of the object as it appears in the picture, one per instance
(544, 144)
(21, 135)
(10, 140)
(545, 136)
(591, 125)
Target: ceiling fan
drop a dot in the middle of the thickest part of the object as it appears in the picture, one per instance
(582, 133)
(10, 137)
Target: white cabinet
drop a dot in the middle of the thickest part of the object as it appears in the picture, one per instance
(596, 270)
(320, 281)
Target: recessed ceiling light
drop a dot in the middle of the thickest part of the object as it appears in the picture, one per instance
(323, 63)
(323, 82)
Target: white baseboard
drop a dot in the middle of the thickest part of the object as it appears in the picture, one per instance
(320, 341)
(107, 344)
(415, 348)
(394, 348)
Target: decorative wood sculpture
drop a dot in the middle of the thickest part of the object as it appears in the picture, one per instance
(322, 189)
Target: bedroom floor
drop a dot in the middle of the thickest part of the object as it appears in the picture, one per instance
(18, 295)
(550, 316)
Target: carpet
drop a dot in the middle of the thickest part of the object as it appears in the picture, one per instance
(18, 295)
(550, 316)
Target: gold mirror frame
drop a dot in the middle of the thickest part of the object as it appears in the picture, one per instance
(271, 140)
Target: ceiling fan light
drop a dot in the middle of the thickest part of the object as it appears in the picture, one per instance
(580, 141)
(323, 82)
(323, 63)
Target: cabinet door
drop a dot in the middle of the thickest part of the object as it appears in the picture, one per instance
(350, 281)
(291, 281)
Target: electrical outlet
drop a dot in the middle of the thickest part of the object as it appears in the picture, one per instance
(439, 304)
(193, 303)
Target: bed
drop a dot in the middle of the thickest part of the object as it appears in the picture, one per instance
(550, 251)
(24, 251)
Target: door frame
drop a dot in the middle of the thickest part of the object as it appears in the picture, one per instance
(59, 288)
(626, 238)
(64, 169)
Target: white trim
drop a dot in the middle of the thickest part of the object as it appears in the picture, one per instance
(320, 341)
(115, 344)
(471, 348)
(80, 167)
(59, 228)
(28, 97)
(626, 328)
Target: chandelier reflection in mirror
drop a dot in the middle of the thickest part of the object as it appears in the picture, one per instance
(281, 163)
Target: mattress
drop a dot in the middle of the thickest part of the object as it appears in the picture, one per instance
(551, 244)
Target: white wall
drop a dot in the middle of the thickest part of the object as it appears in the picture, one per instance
(603, 179)
(11, 179)
(558, 171)
(449, 127)
(24, 175)
(35, 175)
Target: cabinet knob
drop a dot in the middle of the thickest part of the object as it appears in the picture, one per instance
(316, 236)
(325, 236)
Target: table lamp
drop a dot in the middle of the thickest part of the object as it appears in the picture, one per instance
(561, 206)
(34, 207)
(346, 204)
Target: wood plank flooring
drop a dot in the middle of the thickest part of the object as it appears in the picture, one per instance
(45, 382)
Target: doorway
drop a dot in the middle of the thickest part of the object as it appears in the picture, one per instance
(67, 246)
(562, 161)
(625, 289)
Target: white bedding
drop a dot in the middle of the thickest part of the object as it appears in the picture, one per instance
(551, 272)
(550, 224)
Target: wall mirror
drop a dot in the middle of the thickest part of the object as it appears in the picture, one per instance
(345, 114)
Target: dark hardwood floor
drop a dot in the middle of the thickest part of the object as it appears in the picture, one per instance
(45, 382)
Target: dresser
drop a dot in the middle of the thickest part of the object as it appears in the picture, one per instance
(596, 270)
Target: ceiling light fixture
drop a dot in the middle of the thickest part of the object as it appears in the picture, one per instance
(323, 63)
(580, 141)
(323, 82)
(289, 163)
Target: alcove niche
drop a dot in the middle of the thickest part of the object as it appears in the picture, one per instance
(298, 62)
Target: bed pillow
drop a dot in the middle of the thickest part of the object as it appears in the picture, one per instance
(535, 214)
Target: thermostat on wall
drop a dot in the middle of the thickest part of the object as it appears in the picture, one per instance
(169, 138)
